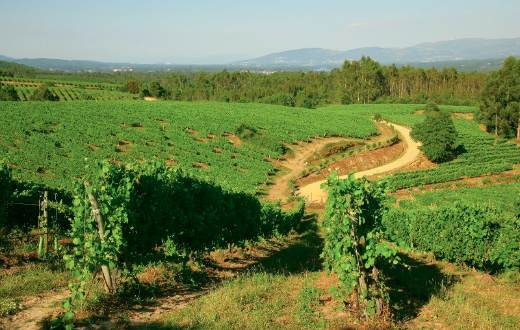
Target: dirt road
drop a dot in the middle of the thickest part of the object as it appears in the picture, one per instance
(314, 194)
(295, 165)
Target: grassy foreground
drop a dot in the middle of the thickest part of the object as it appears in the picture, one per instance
(290, 290)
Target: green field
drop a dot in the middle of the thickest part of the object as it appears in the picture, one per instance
(502, 196)
(480, 153)
(68, 90)
(51, 143)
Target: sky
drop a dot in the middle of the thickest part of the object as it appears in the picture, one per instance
(222, 31)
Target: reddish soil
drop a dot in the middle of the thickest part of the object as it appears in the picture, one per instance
(359, 162)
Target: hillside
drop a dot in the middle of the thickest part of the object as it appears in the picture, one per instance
(443, 52)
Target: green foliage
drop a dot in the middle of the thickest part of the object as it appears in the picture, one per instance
(66, 90)
(280, 99)
(11, 69)
(480, 154)
(504, 197)
(55, 140)
(5, 192)
(363, 81)
(437, 134)
(354, 248)
(8, 93)
(360, 81)
(431, 108)
(500, 99)
(43, 93)
(132, 86)
(156, 212)
(156, 90)
(479, 236)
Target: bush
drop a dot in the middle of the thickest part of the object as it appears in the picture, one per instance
(474, 235)
(43, 93)
(437, 134)
(280, 99)
(354, 248)
(8, 93)
(152, 204)
(5, 192)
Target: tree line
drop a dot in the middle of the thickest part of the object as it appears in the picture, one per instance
(363, 81)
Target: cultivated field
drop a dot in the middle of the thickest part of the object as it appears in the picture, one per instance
(232, 257)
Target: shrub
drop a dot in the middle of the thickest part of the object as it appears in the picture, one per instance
(43, 93)
(280, 98)
(5, 192)
(438, 135)
(354, 248)
(431, 107)
(478, 236)
(157, 212)
(8, 93)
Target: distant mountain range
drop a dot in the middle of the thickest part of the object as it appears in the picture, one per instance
(443, 51)
(463, 54)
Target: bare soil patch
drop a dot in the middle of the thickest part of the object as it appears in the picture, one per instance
(233, 139)
(201, 165)
(123, 146)
(463, 115)
(92, 147)
(191, 131)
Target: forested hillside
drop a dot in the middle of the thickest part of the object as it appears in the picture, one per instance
(363, 81)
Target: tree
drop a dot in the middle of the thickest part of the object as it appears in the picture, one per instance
(500, 100)
(43, 93)
(132, 86)
(437, 134)
(156, 90)
(8, 93)
(363, 81)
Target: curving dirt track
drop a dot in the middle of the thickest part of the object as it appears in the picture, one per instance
(295, 165)
(314, 194)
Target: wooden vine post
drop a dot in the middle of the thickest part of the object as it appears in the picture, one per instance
(43, 223)
(518, 130)
(105, 269)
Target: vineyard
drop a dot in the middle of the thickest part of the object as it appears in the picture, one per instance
(181, 186)
(67, 90)
(479, 153)
(53, 142)
(502, 196)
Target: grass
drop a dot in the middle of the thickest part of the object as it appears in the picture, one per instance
(477, 301)
(252, 301)
(424, 293)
